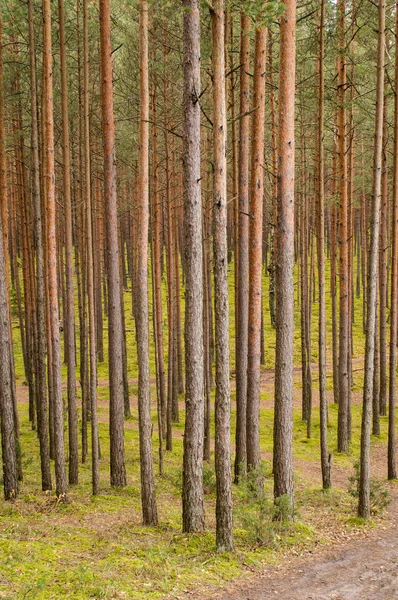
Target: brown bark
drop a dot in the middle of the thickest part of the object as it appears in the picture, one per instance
(255, 252)
(364, 479)
(323, 407)
(243, 252)
(271, 268)
(157, 266)
(224, 532)
(283, 415)
(8, 437)
(192, 492)
(148, 500)
(60, 470)
(343, 435)
(80, 252)
(115, 333)
(333, 282)
(383, 250)
(69, 319)
(391, 459)
(90, 267)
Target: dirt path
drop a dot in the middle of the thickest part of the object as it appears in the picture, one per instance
(361, 569)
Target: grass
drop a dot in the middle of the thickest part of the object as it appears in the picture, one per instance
(96, 547)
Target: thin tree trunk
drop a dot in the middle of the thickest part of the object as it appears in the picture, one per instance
(255, 252)
(90, 267)
(383, 249)
(224, 532)
(333, 283)
(283, 416)
(364, 478)
(243, 252)
(8, 437)
(157, 267)
(323, 407)
(148, 499)
(69, 320)
(115, 332)
(392, 460)
(343, 441)
(271, 268)
(41, 391)
(60, 470)
(376, 367)
(192, 491)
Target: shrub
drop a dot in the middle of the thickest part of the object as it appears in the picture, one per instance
(379, 495)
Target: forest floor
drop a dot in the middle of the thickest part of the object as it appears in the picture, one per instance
(96, 547)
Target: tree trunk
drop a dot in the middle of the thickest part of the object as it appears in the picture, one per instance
(283, 416)
(271, 268)
(392, 460)
(148, 499)
(243, 252)
(192, 491)
(41, 391)
(157, 266)
(255, 252)
(60, 470)
(383, 249)
(323, 406)
(364, 479)
(115, 333)
(224, 533)
(8, 438)
(343, 441)
(69, 320)
(90, 267)
(333, 282)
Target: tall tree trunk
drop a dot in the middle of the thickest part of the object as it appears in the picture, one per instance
(60, 470)
(391, 459)
(80, 251)
(148, 499)
(343, 436)
(8, 437)
(115, 332)
(90, 266)
(383, 250)
(255, 252)
(283, 415)
(69, 320)
(170, 269)
(364, 478)
(41, 391)
(224, 533)
(243, 252)
(333, 281)
(157, 266)
(271, 268)
(323, 407)
(192, 491)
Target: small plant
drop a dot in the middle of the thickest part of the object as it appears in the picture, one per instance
(209, 479)
(283, 509)
(251, 485)
(263, 519)
(257, 521)
(266, 520)
(379, 495)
